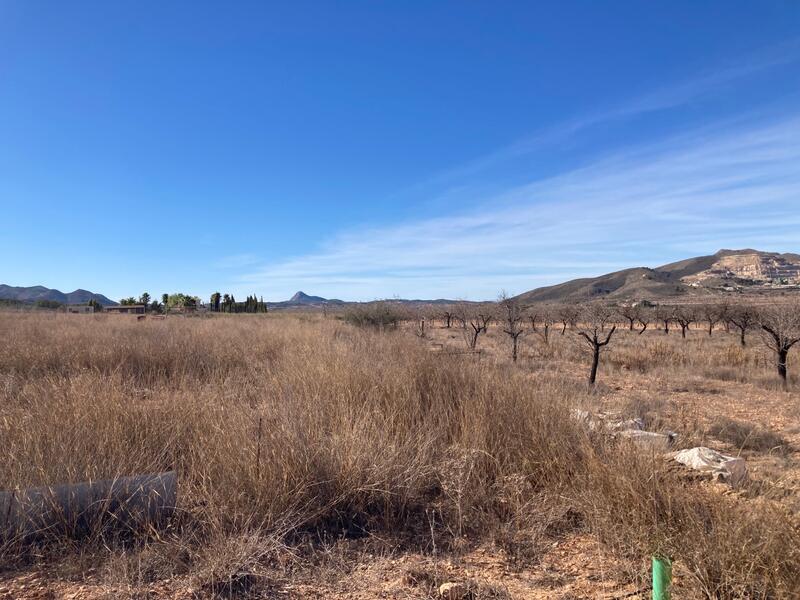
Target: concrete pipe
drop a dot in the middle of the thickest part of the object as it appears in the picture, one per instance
(78, 510)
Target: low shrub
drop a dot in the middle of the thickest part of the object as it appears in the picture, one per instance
(379, 315)
(747, 436)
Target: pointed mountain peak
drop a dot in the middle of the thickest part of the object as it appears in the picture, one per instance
(303, 298)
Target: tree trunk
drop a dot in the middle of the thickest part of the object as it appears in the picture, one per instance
(741, 337)
(474, 341)
(666, 327)
(782, 354)
(595, 361)
(683, 330)
(514, 350)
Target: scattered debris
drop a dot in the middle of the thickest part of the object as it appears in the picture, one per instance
(581, 415)
(636, 424)
(656, 441)
(631, 429)
(721, 467)
(603, 421)
(453, 591)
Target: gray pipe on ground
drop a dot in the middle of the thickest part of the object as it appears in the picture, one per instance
(78, 510)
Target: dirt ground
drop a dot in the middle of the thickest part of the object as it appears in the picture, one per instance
(574, 567)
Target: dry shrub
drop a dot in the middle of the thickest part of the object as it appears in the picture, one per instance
(146, 564)
(747, 436)
(731, 548)
(697, 385)
(725, 374)
(379, 315)
(233, 567)
(650, 409)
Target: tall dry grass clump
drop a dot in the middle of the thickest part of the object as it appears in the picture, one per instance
(270, 421)
(284, 430)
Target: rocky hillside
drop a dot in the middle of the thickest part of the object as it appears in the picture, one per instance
(727, 271)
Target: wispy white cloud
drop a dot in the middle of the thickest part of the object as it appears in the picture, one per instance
(687, 195)
(729, 184)
(667, 97)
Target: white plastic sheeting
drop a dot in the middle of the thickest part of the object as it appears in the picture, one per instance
(720, 466)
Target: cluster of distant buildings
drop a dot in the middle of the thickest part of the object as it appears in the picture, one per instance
(120, 309)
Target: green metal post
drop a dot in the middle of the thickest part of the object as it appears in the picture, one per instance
(662, 578)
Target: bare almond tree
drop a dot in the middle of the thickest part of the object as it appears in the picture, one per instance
(780, 327)
(605, 315)
(512, 316)
(664, 314)
(744, 317)
(684, 316)
(590, 325)
(486, 317)
(447, 315)
(419, 314)
(532, 313)
(643, 319)
(546, 319)
(629, 312)
(725, 311)
(568, 315)
(474, 320)
(711, 314)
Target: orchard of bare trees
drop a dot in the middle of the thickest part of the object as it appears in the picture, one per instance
(592, 325)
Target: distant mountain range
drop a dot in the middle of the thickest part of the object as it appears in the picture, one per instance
(727, 271)
(303, 300)
(724, 272)
(38, 292)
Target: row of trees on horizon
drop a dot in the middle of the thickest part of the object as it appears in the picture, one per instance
(222, 303)
(226, 303)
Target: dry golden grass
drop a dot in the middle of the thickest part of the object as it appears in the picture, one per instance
(291, 432)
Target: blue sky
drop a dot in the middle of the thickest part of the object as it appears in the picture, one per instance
(363, 150)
